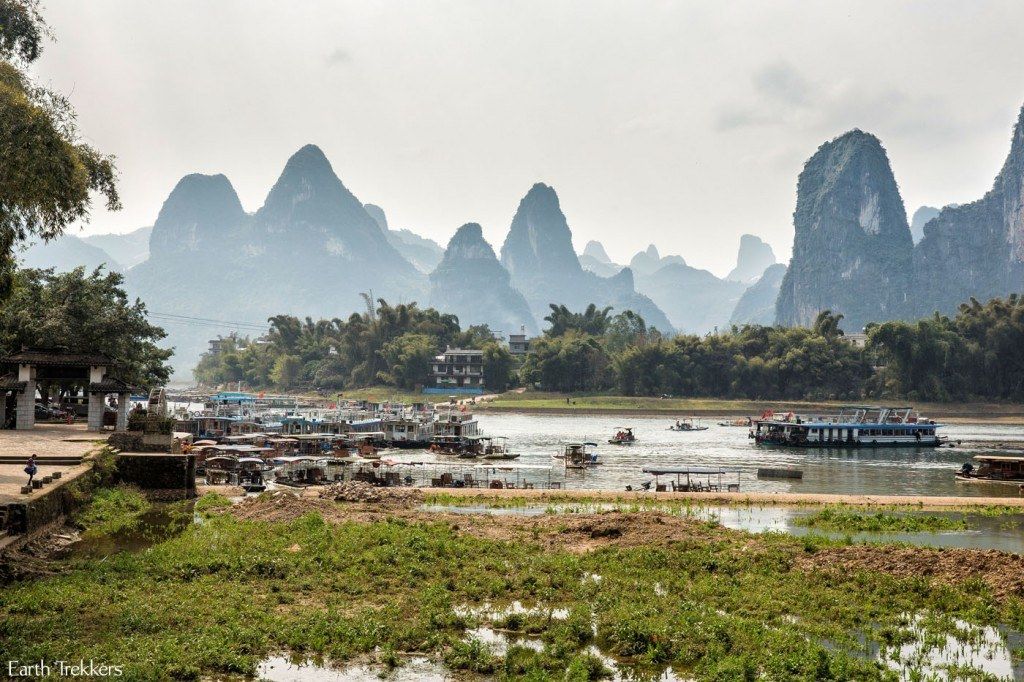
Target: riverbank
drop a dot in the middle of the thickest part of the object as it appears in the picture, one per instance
(577, 597)
(917, 502)
(533, 402)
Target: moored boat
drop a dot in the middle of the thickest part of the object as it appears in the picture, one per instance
(853, 426)
(993, 469)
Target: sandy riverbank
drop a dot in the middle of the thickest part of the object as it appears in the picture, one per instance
(482, 495)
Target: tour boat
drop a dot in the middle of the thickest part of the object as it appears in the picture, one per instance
(623, 436)
(494, 448)
(577, 456)
(686, 425)
(854, 426)
(993, 469)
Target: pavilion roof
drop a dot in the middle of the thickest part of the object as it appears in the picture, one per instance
(109, 385)
(55, 356)
(9, 382)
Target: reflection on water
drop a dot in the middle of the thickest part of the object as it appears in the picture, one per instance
(280, 669)
(882, 471)
(931, 656)
(160, 523)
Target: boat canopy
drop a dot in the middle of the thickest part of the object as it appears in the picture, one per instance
(657, 471)
(999, 458)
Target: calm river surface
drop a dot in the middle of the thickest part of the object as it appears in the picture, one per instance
(882, 471)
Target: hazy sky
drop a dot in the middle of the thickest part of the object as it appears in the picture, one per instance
(679, 123)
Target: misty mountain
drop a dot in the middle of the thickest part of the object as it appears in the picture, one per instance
(921, 216)
(65, 253)
(310, 250)
(538, 254)
(757, 304)
(752, 259)
(695, 300)
(129, 248)
(649, 261)
(852, 251)
(595, 250)
(471, 283)
(974, 249)
(424, 253)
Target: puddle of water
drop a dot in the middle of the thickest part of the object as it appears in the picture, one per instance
(984, 648)
(160, 523)
(500, 642)
(489, 612)
(280, 669)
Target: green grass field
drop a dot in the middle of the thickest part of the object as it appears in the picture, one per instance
(721, 605)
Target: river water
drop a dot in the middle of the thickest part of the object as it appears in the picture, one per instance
(874, 471)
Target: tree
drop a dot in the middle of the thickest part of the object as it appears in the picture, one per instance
(86, 313)
(827, 324)
(592, 321)
(408, 359)
(286, 371)
(625, 329)
(48, 175)
(499, 366)
(568, 363)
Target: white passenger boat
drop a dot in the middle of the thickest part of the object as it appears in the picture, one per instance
(853, 426)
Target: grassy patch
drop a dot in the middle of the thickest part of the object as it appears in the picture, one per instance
(211, 502)
(223, 595)
(850, 520)
(112, 511)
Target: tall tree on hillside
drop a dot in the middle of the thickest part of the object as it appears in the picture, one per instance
(48, 175)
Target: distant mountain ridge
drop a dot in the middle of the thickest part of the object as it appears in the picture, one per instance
(423, 253)
(538, 254)
(752, 260)
(976, 249)
(852, 245)
(855, 254)
(470, 283)
(757, 304)
(309, 250)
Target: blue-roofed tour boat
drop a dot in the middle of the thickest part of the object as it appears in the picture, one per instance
(852, 427)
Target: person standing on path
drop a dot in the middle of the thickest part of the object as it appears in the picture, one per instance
(31, 468)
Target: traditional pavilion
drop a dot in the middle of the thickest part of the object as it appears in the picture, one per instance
(35, 366)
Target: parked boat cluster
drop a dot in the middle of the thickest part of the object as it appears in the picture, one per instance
(242, 441)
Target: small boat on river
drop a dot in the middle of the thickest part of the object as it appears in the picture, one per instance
(993, 469)
(623, 436)
(687, 425)
(494, 448)
(577, 456)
